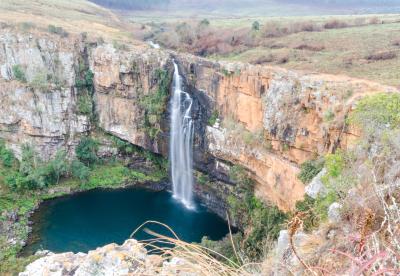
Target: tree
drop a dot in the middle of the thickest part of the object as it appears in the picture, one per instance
(79, 170)
(86, 151)
(59, 165)
(255, 26)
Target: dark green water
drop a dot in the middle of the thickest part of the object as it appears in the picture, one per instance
(91, 219)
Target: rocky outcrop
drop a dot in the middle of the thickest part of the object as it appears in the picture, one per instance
(131, 258)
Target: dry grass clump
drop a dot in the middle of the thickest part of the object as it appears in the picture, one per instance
(384, 55)
(263, 59)
(194, 258)
(308, 47)
(396, 42)
(282, 58)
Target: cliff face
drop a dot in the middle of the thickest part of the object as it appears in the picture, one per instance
(274, 119)
(121, 80)
(44, 116)
(270, 120)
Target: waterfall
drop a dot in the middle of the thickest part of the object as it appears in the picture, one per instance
(181, 142)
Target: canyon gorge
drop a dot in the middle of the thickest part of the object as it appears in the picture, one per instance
(277, 119)
(265, 119)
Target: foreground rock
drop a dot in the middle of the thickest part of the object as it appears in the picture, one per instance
(131, 258)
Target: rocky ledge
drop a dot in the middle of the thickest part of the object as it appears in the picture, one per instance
(131, 258)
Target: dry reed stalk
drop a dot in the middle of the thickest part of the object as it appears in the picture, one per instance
(196, 258)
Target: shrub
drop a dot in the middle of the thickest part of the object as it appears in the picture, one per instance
(283, 58)
(377, 112)
(224, 246)
(309, 170)
(57, 167)
(329, 116)
(34, 173)
(213, 118)
(85, 105)
(307, 26)
(19, 73)
(255, 26)
(79, 170)
(26, 26)
(39, 81)
(307, 207)
(86, 151)
(204, 23)
(120, 46)
(6, 155)
(314, 48)
(263, 59)
(384, 55)
(57, 30)
(335, 24)
(334, 164)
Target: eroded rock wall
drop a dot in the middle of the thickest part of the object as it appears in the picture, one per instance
(273, 119)
(270, 120)
(44, 117)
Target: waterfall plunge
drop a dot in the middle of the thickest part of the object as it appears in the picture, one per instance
(181, 142)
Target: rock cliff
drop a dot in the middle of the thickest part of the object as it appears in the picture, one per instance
(268, 120)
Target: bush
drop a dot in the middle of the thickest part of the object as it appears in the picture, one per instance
(307, 207)
(39, 81)
(57, 30)
(6, 155)
(309, 170)
(263, 59)
(27, 26)
(283, 58)
(255, 26)
(384, 55)
(314, 48)
(19, 73)
(335, 24)
(376, 113)
(79, 170)
(213, 118)
(85, 105)
(34, 173)
(334, 164)
(224, 246)
(86, 151)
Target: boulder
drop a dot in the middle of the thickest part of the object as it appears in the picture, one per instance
(316, 187)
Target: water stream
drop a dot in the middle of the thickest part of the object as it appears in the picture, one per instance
(181, 142)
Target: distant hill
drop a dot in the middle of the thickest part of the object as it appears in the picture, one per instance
(261, 7)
